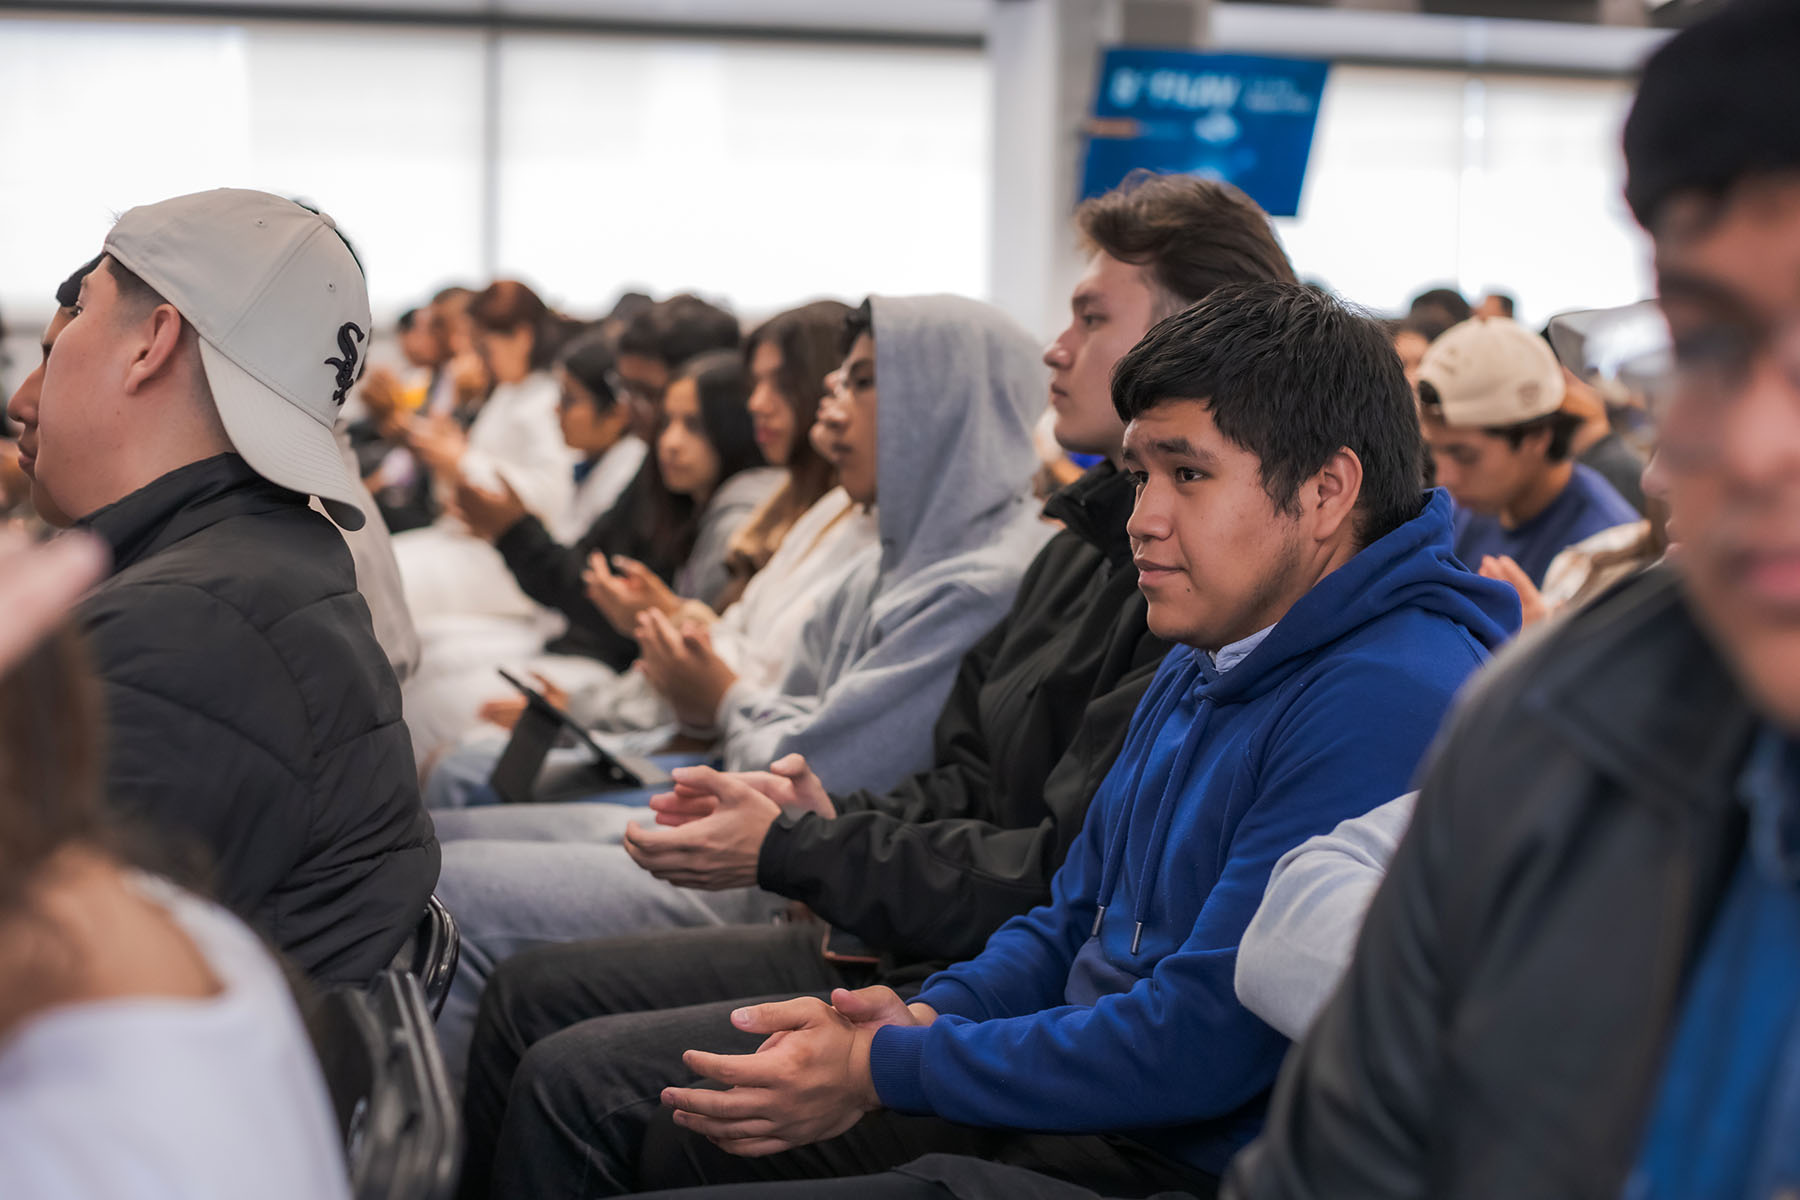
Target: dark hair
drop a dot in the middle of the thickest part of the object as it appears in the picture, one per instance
(723, 387)
(1508, 305)
(588, 358)
(50, 750)
(1193, 234)
(1444, 300)
(678, 329)
(455, 291)
(1715, 106)
(406, 319)
(1562, 426)
(657, 526)
(857, 321)
(1292, 376)
(132, 289)
(506, 306)
(807, 340)
(68, 292)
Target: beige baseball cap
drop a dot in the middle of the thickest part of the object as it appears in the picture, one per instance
(282, 311)
(1492, 372)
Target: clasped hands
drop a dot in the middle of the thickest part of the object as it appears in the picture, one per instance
(710, 829)
(807, 1082)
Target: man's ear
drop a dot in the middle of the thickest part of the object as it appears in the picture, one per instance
(1328, 500)
(156, 346)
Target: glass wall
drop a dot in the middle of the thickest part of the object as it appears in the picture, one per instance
(759, 172)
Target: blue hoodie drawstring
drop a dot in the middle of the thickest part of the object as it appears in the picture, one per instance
(1165, 815)
(1139, 744)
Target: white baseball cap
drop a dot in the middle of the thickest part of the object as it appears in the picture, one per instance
(1492, 372)
(282, 311)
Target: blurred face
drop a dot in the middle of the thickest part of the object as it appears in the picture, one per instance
(23, 408)
(771, 412)
(1729, 451)
(423, 343)
(1111, 309)
(690, 465)
(507, 353)
(1481, 470)
(1216, 561)
(1411, 345)
(847, 421)
(639, 383)
(584, 427)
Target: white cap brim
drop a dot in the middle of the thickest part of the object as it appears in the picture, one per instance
(281, 442)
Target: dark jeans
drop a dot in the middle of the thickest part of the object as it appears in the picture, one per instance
(922, 1157)
(574, 1044)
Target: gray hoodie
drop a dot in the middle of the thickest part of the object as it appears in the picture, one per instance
(960, 388)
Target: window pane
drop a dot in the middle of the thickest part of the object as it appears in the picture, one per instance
(381, 128)
(764, 173)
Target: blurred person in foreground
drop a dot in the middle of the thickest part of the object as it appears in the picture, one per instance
(149, 1046)
(1582, 974)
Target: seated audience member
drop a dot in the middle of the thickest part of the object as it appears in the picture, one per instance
(927, 870)
(149, 1046)
(656, 340)
(515, 440)
(400, 483)
(371, 548)
(707, 479)
(1582, 974)
(252, 716)
(1490, 392)
(1595, 444)
(931, 412)
(788, 554)
(1281, 538)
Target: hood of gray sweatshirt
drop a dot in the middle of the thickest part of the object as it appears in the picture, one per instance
(959, 388)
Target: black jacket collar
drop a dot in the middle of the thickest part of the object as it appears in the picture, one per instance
(181, 503)
(1642, 693)
(1096, 507)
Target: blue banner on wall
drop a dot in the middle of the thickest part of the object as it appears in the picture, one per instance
(1237, 117)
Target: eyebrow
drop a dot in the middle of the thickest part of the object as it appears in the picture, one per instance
(1084, 297)
(1174, 447)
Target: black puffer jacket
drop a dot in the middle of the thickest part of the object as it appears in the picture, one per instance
(253, 716)
(929, 869)
(1502, 1029)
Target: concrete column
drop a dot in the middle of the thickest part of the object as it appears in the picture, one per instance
(1045, 55)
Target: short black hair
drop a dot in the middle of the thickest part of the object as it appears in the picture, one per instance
(857, 321)
(1291, 375)
(1445, 300)
(1715, 106)
(405, 321)
(679, 328)
(68, 293)
(1562, 425)
(1192, 234)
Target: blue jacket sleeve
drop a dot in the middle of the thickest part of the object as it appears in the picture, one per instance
(1025, 965)
(1177, 1047)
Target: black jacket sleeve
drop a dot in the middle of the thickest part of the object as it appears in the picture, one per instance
(550, 573)
(914, 875)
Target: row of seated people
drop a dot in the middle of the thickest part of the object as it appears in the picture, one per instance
(1038, 947)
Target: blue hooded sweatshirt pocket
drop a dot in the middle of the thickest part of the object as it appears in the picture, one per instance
(1112, 1008)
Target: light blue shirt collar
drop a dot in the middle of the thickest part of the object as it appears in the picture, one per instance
(1227, 657)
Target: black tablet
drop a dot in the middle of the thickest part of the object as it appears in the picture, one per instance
(520, 776)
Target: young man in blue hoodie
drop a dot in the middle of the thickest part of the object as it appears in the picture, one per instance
(1323, 626)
